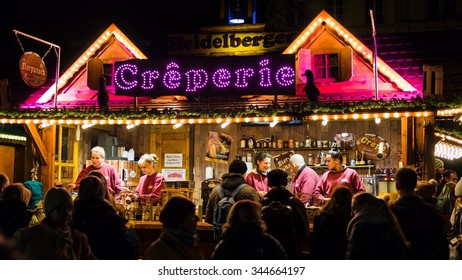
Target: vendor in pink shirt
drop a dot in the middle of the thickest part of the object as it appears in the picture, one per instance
(337, 175)
(98, 156)
(305, 179)
(257, 177)
(151, 183)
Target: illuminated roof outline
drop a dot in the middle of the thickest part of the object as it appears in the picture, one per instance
(357, 46)
(76, 67)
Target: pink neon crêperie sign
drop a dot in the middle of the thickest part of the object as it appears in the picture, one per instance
(207, 76)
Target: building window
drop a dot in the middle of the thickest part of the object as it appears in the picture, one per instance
(335, 9)
(108, 69)
(433, 80)
(326, 66)
(96, 68)
(377, 7)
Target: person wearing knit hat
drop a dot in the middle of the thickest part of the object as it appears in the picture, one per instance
(178, 239)
(237, 166)
(292, 235)
(438, 165)
(57, 198)
(54, 238)
(439, 172)
(229, 182)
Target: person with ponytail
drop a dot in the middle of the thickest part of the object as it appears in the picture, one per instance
(337, 175)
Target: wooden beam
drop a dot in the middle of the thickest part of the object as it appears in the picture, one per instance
(47, 172)
(430, 142)
(38, 144)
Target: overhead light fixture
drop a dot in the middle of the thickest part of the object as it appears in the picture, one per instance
(273, 123)
(447, 151)
(132, 125)
(225, 124)
(44, 125)
(236, 12)
(378, 120)
(324, 122)
(177, 125)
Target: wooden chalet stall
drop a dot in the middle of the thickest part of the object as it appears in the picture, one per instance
(178, 125)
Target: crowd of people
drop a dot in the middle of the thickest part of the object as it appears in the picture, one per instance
(267, 219)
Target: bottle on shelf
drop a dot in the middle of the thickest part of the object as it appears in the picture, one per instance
(249, 157)
(243, 143)
(251, 142)
(310, 159)
(308, 142)
(273, 142)
(344, 157)
(157, 212)
(139, 210)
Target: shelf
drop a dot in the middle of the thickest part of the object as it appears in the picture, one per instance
(354, 167)
(291, 149)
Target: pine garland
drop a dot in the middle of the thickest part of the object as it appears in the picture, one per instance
(298, 110)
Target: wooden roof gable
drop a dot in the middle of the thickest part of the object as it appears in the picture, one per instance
(325, 22)
(112, 44)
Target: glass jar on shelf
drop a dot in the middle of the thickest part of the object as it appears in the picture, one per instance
(310, 160)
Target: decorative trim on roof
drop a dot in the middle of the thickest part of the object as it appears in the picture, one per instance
(75, 68)
(324, 20)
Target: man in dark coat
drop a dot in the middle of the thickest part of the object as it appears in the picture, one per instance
(230, 181)
(296, 246)
(420, 222)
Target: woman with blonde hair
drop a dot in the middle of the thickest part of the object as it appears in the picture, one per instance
(151, 184)
(244, 236)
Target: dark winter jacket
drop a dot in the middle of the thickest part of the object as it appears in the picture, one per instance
(422, 225)
(329, 237)
(13, 216)
(107, 234)
(372, 237)
(230, 181)
(300, 222)
(248, 242)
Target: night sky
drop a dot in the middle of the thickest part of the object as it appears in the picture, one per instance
(74, 25)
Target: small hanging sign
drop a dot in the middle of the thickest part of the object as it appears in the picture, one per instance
(32, 69)
(372, 147)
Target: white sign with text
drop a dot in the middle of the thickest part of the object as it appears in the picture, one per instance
(173, 160)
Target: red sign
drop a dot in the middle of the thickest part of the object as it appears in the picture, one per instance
(32, 69)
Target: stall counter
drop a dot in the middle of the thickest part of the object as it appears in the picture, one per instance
(149, 231)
